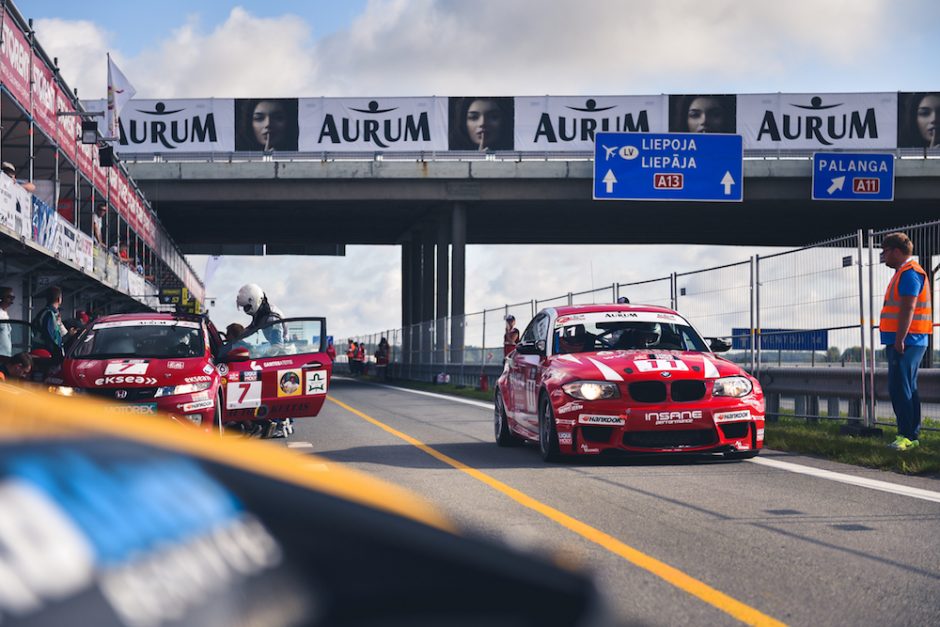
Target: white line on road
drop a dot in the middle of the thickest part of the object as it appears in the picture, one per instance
(465, 401)
(299, 445)
(872, 484)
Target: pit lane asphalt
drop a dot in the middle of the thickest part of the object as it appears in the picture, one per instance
(800, 549)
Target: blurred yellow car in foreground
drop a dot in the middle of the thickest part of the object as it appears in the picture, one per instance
(140, 524)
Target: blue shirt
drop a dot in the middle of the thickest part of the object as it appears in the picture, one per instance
(910, 284)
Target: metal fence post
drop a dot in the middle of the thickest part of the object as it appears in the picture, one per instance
(871, 325)
(869, 418)
(755, 333)
(751, 293)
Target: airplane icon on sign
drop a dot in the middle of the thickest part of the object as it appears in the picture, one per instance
(608, 152)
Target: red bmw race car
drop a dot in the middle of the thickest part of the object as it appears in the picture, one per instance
(178, 365)
(591, 379)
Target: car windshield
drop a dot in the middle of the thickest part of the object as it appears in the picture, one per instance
(592, 332)
(141, 338)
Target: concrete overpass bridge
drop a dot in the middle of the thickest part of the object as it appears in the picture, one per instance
(317, 205)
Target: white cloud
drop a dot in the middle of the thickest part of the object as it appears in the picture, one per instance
(600, 46)
(81, 47)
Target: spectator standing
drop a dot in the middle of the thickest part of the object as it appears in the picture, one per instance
(351, 351)
(48, 325)
(511, 336)
(6, 335)
(905, 324)
(97, 223)
(381, 358)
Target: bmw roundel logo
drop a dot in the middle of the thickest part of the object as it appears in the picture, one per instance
(665, 375)
(120, 394)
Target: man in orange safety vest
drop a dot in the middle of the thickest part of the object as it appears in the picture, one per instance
(906, 324)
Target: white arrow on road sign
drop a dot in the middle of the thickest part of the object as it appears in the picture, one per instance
(727, 180)
(837, 184)
(609, 179)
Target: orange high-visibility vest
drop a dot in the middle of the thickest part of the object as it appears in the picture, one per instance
(923, 317)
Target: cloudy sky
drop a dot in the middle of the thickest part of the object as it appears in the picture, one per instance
(296, 48)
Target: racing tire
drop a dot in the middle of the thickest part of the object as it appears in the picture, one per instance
(741, 454)
(548, 435)
(504, 435)
(217, 416)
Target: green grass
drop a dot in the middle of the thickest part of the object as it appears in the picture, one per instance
(823, 439)
(819, 439)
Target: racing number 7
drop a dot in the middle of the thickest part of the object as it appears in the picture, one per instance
(244, 387)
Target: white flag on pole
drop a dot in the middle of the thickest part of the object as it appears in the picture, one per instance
(120, 91)
(212, 264)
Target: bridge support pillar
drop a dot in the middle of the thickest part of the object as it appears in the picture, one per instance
(443, 288)
(458, 229)
(406, 312)
(428, 237)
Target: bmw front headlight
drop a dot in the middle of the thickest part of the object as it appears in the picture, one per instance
(732, 386)
(187, 388)
(591, 390)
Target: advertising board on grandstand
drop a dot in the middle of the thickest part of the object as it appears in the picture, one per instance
(876, 121)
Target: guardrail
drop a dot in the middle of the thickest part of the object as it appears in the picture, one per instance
(810, 387)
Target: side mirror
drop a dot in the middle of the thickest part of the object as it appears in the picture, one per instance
(531, 348)
(718, 345)
(239, 353)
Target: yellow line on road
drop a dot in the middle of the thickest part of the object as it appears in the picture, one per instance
(744, 613)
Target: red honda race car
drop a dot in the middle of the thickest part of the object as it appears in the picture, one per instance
(592, 379)
(180, 366)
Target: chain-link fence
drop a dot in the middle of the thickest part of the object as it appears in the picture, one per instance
(810, 307)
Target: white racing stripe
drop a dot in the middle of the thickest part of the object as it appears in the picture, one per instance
(609, 373)
(872, 484)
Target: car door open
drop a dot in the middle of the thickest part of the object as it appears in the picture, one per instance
(282, 371)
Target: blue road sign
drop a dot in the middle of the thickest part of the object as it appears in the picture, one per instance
(782, 339)
(668, 166)
(853, 176)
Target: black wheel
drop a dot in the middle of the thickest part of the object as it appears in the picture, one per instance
(548, 436)
(504, 436)
(217, 416)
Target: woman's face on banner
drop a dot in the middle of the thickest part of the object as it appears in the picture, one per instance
(268, 122)
(706, 115)
(484, 122)
(928, 110)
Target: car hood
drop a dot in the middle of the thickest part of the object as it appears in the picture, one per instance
(641, 365)
(136, 372)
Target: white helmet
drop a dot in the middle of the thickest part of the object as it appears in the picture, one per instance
(249, 298)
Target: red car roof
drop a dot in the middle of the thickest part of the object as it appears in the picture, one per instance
(147, 316)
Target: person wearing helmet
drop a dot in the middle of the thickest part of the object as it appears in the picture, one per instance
(252, 300)
(648, 334)
(572, 339)
(511, 336)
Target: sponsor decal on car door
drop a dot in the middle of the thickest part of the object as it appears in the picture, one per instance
(287, 374)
